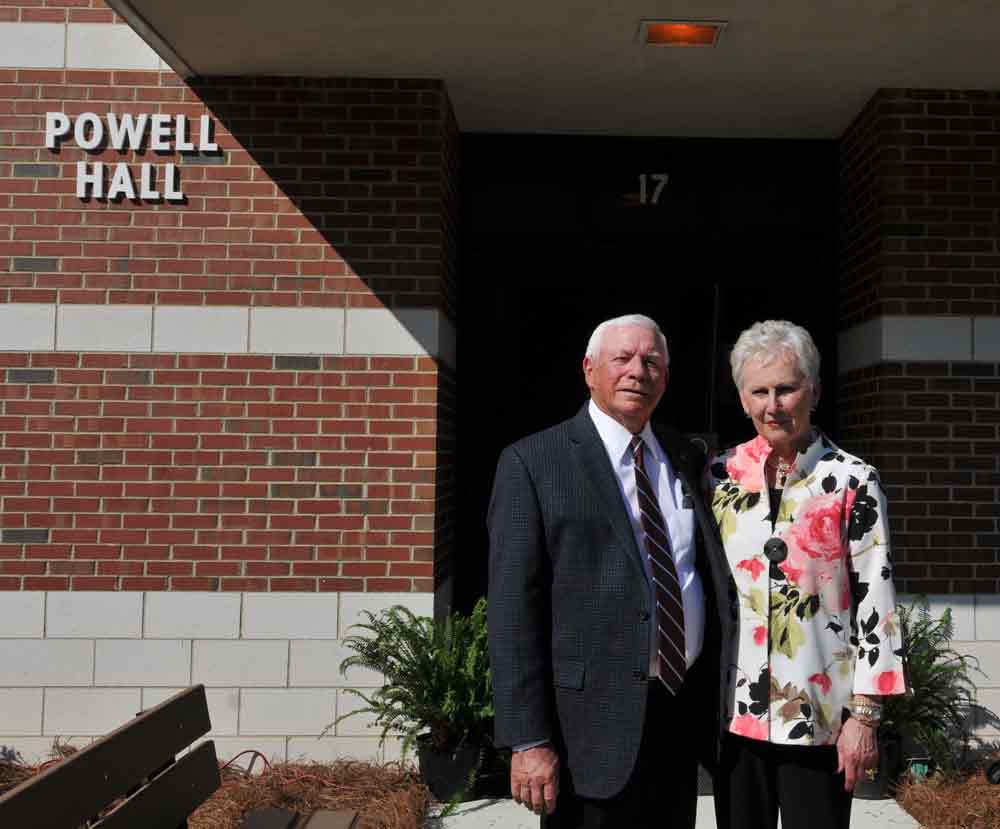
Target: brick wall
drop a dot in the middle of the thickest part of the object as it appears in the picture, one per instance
(933, 431)
(57, 11)
(919, 178)
(139, 471)
(919, 231)
(209, 472)
(327, 192)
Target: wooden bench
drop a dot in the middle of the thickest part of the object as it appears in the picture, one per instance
(134, 764)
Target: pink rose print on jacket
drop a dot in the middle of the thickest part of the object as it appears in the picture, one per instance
(890, 682)
(823, 681)
(760, 634)
(746, 466)
(752, 565)
(747, 725)
(819, 530)
(826, 577)
(816, 547)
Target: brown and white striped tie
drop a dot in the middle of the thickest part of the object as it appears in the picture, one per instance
(671, 663)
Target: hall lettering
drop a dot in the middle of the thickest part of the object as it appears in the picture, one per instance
(90, 182)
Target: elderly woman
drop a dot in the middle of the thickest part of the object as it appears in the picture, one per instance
(806, 536)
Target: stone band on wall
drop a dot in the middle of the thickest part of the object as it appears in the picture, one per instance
(41, 45)
(919, 339)
(228, 330)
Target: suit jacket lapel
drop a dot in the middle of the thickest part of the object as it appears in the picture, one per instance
(592, 458)
(680, 459)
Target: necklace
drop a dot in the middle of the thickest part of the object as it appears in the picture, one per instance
(782, 471)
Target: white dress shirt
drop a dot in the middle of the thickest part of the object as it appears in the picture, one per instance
(679, 523)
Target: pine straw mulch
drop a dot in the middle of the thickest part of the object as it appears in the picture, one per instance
(966, 801)
(389, 796)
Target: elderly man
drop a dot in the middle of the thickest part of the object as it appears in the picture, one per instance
(609, 602)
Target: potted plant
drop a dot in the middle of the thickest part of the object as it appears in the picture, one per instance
(931, 719)
(436, 690)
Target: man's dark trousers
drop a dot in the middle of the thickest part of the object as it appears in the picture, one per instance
(662, 791)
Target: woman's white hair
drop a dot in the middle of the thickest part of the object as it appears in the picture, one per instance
(594, 343)
(769, 340)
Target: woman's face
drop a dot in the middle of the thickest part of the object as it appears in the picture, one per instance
(779, 399)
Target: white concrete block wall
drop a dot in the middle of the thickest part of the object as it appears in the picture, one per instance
(977, 633)
(75, 665)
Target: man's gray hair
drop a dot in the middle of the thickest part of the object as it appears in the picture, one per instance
(594, 344)
(770, 340)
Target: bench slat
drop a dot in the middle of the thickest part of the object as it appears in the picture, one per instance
(172, 796)
(74, 790)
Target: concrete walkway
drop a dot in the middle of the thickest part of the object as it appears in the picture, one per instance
(505, 814)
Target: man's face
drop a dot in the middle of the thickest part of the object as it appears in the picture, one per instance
(628, 376)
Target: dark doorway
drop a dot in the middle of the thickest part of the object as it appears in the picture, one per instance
(562, 232)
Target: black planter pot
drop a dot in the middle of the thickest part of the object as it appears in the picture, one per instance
(889, 767)
(448, 773)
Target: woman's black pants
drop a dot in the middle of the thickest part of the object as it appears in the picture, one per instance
(756, 780)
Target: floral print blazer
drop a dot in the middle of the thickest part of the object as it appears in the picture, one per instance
(820, 625)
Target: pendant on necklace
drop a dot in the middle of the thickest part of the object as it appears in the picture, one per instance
(781, 473)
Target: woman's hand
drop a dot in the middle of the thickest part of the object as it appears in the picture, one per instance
(857, 752)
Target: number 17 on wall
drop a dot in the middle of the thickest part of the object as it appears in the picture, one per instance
(650, 187)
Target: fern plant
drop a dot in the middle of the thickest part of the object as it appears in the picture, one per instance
(934, 711)
(437, 676)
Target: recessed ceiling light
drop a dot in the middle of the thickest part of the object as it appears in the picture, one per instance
(680, 32)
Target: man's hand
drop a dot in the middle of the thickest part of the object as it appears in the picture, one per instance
(534, 778)
(857, 751)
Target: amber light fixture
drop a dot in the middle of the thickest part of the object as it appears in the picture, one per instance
(681, 32)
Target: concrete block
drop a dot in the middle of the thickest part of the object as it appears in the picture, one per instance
(89, 711)
(104, 327)
(36, 750)
(27, 663)
(223, 707)
(21, 711)
(143, 662)
(927, 338)
(316, 663)
(203, 330)
(27, 327)
(392, 750)
(32, 45)
(285, 711)
(329, 749)
(192, 615)
(384, 331)
(107, 46)
(860, 346)
(352, 605)
(241, 664)
(22, 614)
(962, 612)
(988, 718)
(987, 618)
(988, 654)
(986, 339)
(358, 725)
(95, 614)
(290, 616)
(297, 330)
(226, 748)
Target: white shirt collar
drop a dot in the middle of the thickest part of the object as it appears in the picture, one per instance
(616, 438)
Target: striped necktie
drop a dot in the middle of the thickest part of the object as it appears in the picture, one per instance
(671, 663)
